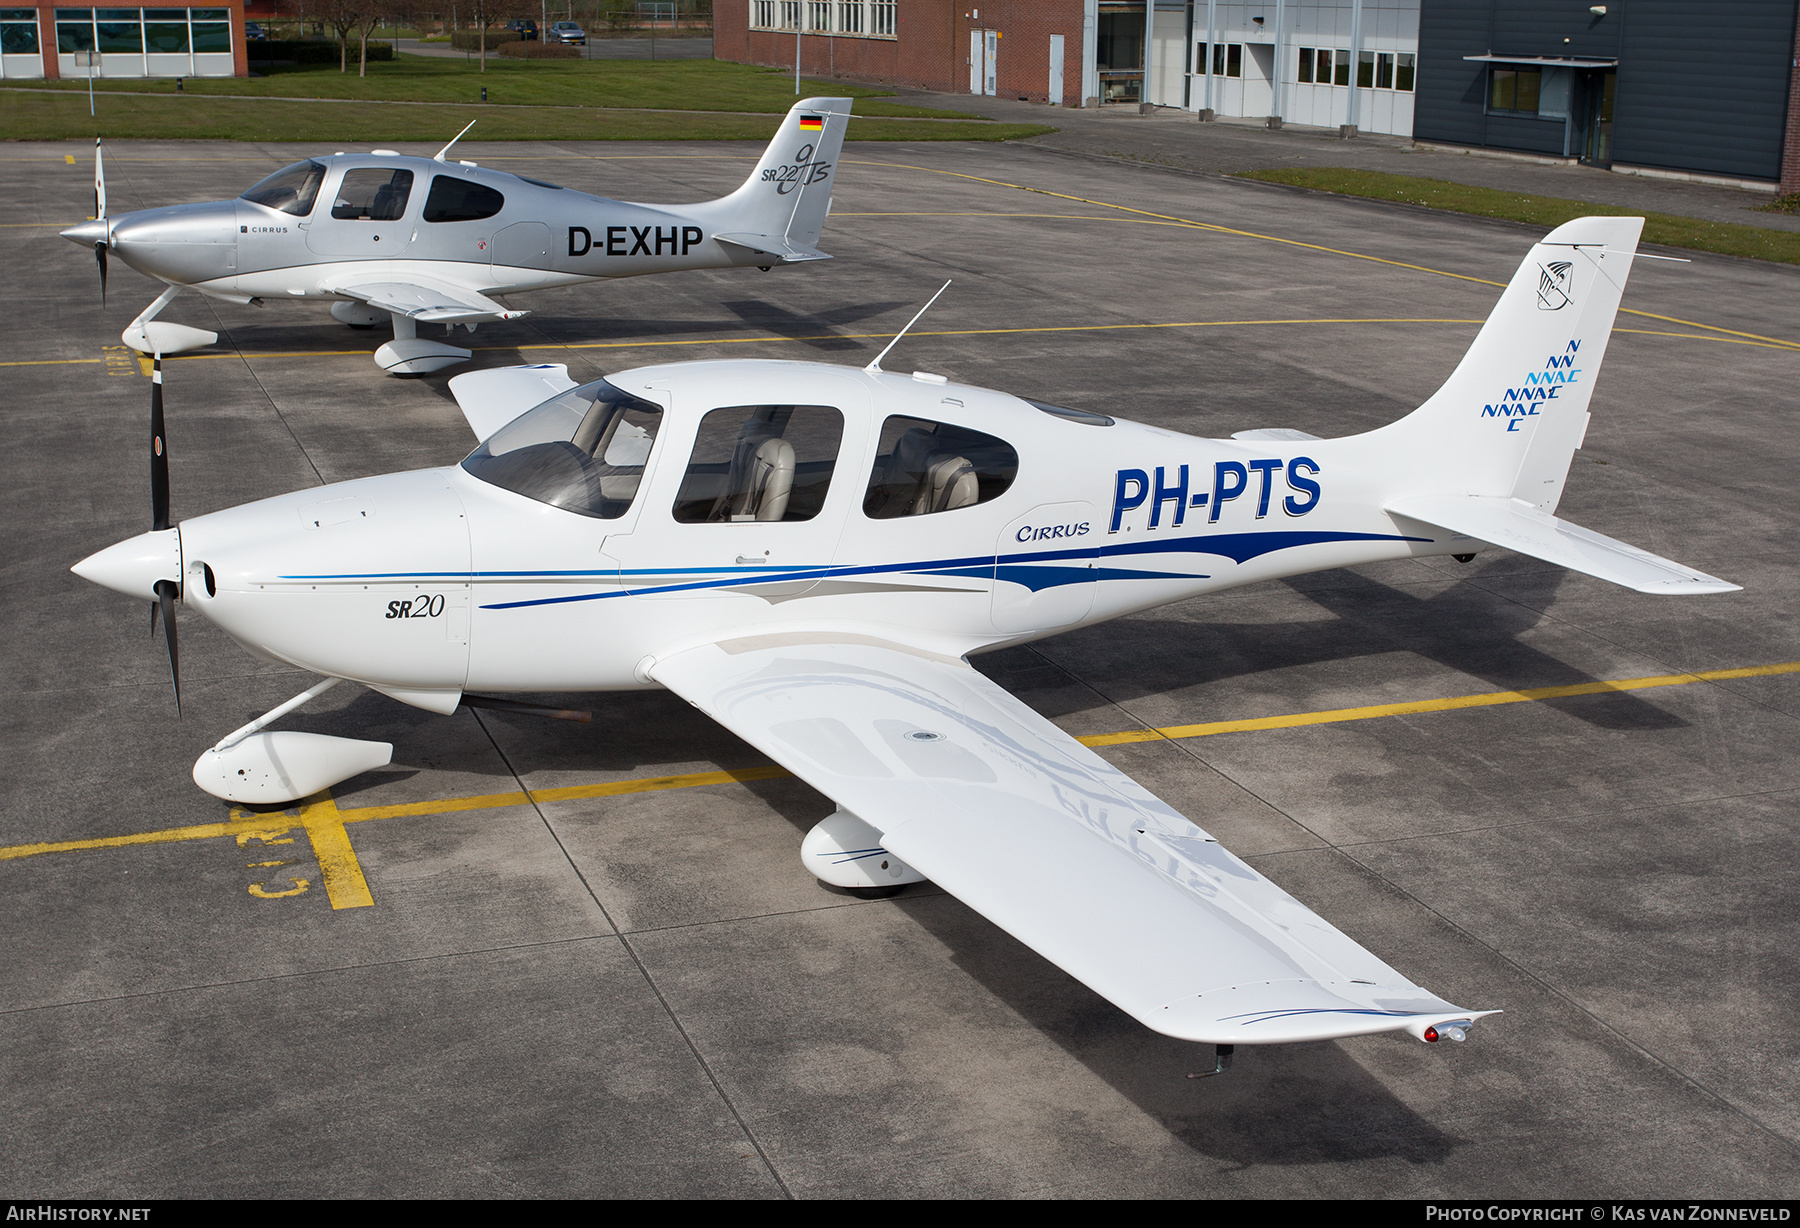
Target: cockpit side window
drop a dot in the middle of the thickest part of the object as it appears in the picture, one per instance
(372, 194)
(760, 463)
(924, 467)
(292, 189)
(452, 199)
(583, 451)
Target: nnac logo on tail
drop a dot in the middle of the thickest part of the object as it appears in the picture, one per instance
(1553, 285)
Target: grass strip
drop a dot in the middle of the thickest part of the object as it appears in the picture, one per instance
(48, 116)
(681, 85)
(1723, 238)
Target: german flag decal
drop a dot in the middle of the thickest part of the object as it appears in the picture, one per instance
(812, 123)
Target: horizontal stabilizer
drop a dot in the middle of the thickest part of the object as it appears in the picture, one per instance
(491, 399)
(781, 249)
(427, 302)
(1521, 527)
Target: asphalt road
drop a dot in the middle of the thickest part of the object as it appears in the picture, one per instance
(622, 989)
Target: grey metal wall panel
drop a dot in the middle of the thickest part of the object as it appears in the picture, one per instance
(1541, 136)
(1449, 92)
(1703, 87)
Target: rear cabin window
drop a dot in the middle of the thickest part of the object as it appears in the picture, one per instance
(458, 200)
(372, 194)
(760, 463)
(924, 467)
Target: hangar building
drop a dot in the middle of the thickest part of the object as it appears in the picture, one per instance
(1701, 88)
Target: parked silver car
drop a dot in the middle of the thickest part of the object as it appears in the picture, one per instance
(567, 32)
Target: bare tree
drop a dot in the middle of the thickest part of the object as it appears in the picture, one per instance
(342, 16)
(485, 13)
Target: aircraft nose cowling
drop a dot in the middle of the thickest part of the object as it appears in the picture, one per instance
(367, 580)
(186, 243)
(134, 565)
(88, 233)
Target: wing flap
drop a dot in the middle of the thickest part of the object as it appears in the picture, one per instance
(1521, 527)
(1049, 841)
(426, 301)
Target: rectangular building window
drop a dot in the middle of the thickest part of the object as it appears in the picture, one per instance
(790, 14)
(18, 32)
(1365, 70)
(1514, 90)
(1227, 58)
(850, 16)
(1340, 67)
(1304, 74)
(762, 14)
(882, 18)
(1403, 71)
(818, 16)
(1384, 70)
(1316, 64)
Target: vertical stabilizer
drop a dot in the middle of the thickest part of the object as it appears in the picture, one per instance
(787, 195)
(1509, 418)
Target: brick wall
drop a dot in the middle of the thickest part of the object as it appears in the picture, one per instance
(931, 50)
(1790, 151)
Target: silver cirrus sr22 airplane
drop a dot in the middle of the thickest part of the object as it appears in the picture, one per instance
(809, 554)
(431, 241)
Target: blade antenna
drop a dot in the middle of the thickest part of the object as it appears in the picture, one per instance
(439, 156)
(876, 365)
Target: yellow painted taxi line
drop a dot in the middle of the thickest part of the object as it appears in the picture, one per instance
(1336, 715)
(326, 824)
(632, 345)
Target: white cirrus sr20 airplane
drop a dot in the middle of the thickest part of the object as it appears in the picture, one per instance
(809, 554)
(429, 241)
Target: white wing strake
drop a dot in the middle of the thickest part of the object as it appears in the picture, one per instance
(1517, 525)
(1049, 841)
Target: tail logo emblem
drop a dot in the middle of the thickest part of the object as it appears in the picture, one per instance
(1553, 285)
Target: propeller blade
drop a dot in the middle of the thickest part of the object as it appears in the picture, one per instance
(100, 257)
(165, 603)
(159, 452)
(99, 183)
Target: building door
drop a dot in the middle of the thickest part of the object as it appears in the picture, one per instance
(1259, 80)
(1596, 112)
(1055, 92)
(977, 61)
(990, 72)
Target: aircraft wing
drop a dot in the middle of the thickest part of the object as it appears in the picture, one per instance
(1047, 840)
(432, 302)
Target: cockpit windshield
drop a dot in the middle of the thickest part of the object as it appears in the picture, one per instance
(292, 189)
(583, 451)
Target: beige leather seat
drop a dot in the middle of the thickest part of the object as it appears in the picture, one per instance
(767, 484)
(948, 483)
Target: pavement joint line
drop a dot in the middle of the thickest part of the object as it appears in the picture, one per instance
(1334, 251)
(326, 822)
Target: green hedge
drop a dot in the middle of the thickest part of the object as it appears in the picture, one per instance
(470, 40)
(313, 51)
